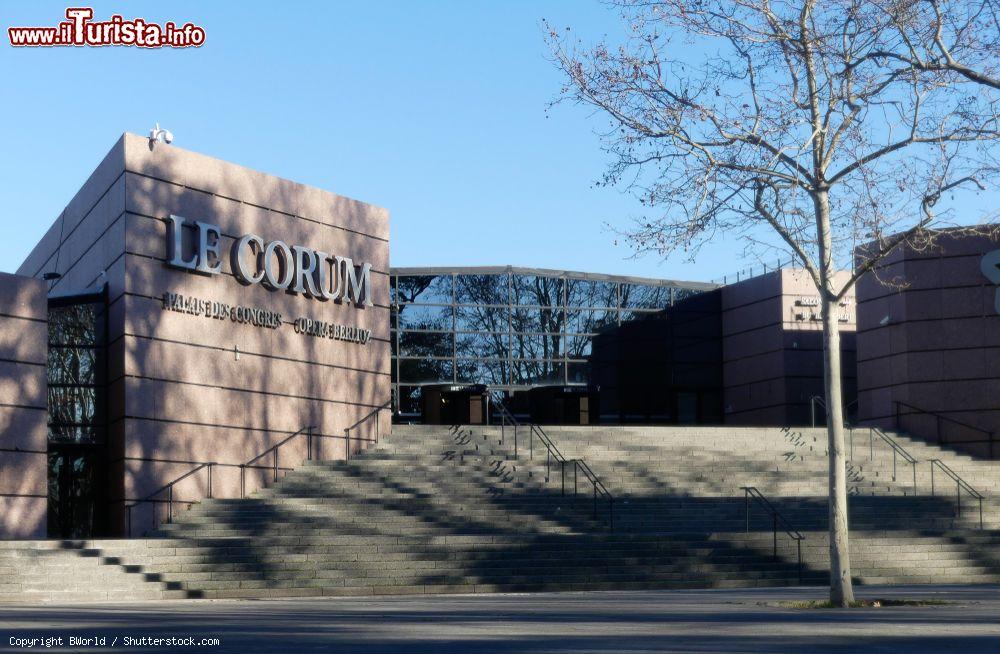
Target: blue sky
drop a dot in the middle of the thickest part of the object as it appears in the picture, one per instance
(435, 110)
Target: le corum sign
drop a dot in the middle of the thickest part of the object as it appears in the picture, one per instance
(274, 264)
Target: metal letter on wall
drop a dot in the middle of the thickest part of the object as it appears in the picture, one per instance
(206, 259)
(175, 245)
(209, 246)
(358, 291)
(991, 268)
(255, 246)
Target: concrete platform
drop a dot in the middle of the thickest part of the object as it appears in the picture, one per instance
(731, 621)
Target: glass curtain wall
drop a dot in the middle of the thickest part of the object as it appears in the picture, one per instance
(510, 329)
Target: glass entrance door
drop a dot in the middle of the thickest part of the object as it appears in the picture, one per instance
(76, 490)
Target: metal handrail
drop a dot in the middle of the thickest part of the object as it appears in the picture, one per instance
(897, 450)
(152, 498)
(273, 450)
(751, 492)
(552, 452)
(960, 485)
(819, 399)
(347, 430)
(990, 435)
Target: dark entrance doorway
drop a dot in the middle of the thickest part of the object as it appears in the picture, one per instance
(77, 434)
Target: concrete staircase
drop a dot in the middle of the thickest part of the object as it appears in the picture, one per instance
(434, 509)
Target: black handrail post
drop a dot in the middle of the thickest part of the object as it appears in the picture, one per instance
(894, 464)
(958, 494)
(170, 504)
(562, 476)
(774, 528)
(210, 480)
(309, 444)
(576, 466)
(913, 465)
(515, 440)
(812, 408)
(746, 500)
(932, 478)
(243, 481)
(347, 444)
(274, 457)
(548, 459)
(798, 543)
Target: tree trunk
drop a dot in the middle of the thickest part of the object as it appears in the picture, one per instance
(841, 588)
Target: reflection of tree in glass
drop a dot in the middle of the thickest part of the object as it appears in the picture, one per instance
(484, 309)
(73, 367)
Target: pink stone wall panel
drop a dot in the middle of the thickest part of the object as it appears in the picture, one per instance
(737, 346)
(145, 317)
(103, 177)
(232, 181)
(23, 334)
(761, 367)
(763, 314)
(23, 344)
(23, 517)
(150, 201)
(186, 363)
(948, 335)
(751, 291)
(171, 401)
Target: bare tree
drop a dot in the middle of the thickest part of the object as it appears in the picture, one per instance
(798, 125)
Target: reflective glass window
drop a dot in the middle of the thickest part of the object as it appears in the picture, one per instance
(75, 373)
(535, 290)
(417, 316)
(421, 371)
(489, 345)
(587, 293)
(537, 346)
(483, 371)
(538, 372)
(589, 322)
(545, 320)
(482, 289)
(578, 346)
(578, 372)
(482, 318)
(425, 344)
(641, 296)
(424, 289)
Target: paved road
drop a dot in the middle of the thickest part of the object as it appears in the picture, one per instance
(622, 622)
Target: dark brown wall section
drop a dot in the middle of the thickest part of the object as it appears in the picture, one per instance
(933, 346)
(23, 441)
(186, 389)
(773, 349)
